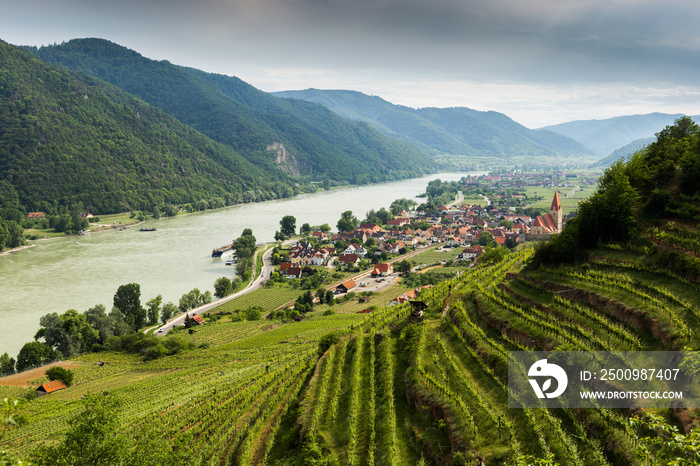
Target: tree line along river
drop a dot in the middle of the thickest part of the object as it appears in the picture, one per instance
(78, 272)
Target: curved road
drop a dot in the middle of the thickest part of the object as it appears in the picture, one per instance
(254, 285)
(267, 270)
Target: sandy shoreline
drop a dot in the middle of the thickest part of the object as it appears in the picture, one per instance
(13, 250)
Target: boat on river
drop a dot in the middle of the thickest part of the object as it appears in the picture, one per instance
(146, 229)
(218, 252)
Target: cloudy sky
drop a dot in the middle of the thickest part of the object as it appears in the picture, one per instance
(540, 62)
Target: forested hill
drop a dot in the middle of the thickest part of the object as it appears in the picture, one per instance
(66, 139)
(459, 130)
(303, 139)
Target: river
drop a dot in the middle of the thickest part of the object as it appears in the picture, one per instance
(79, 272)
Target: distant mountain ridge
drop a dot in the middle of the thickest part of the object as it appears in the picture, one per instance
(299, 138)
(456, 130)
(624, 151)
(608, 135)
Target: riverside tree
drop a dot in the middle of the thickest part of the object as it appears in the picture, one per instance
(153, 310)
(288, 225)
(7, 364)
(107, 325)
(222, 287)
(169, 310)
(347, 221)
(244, 247)
(70, 332)
(35, 354)
(128, 300)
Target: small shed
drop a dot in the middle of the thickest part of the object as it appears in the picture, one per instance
(345, 286)
(50, 387)
(197, 320)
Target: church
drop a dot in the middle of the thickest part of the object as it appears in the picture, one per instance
(550, 223)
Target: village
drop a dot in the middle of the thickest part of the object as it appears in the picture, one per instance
(380, 253)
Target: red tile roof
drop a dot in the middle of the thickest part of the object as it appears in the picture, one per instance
(345, 258)
(383, 267)
(348, 284)
(546, 222)
(398, 221)
(52, 386)
(284, 266)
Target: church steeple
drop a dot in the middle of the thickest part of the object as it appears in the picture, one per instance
(556, 211)
(556, 205)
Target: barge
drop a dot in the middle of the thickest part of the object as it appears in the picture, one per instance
(218, 252)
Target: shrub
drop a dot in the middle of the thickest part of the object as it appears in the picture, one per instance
(60, 373)
(326, 341)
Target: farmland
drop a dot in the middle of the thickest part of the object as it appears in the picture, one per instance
(569, 197)
(390, 391)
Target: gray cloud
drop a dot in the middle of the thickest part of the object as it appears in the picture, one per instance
(539, 42)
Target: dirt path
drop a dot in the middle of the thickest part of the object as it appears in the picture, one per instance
(23, 378)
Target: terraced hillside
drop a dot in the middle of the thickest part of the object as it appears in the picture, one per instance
(437, 390)
(394, 390)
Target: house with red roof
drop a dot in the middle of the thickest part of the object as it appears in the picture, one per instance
(397, 222)
(382, 270)
(197, 320)
(284, 266)
(471, 253)
(35, 216)
(293, 272)
(346, 259)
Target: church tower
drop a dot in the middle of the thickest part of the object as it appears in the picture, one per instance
(556, 212)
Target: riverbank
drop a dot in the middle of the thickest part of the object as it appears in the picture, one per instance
(128, 221)
(78, 272)
(17, 249)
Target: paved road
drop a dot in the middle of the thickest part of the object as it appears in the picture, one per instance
(459, 198)
(268, 268)
(254, 285)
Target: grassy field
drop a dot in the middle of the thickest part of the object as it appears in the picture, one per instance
(433, 255)
(472, 200)
(568, 197)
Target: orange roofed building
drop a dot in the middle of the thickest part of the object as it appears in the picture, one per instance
(50, 387)
(552, 222)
